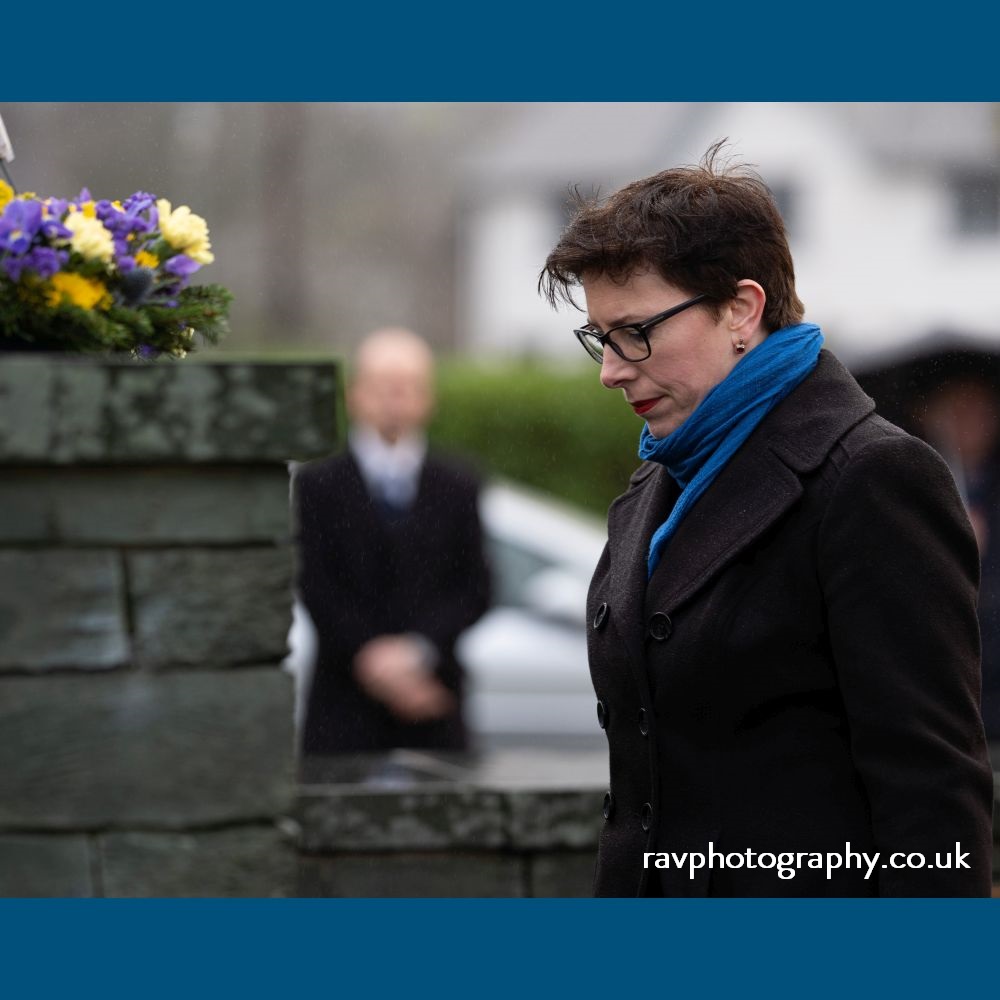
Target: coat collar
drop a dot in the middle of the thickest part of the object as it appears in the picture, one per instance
(757, 486)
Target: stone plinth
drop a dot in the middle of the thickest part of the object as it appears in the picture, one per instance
(73, 410)
(502, 823)
(146, 563)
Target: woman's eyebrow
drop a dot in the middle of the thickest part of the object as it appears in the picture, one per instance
(625, 320)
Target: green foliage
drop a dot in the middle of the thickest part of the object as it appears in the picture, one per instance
(29, 321)
(556, 429)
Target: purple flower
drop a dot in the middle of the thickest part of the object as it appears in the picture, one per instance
(125, 224)
(44, 261)
(141, 224)
(139, 201)
(122, 247)
(181, 265)
(53, 229)
(19, 224)
(13, 267)
(113, 219)
(140, 210)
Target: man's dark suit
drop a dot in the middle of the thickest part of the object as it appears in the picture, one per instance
(362, 574)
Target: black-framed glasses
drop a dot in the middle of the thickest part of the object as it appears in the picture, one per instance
(631, 342)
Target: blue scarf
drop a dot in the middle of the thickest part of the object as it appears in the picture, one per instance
(696, 452)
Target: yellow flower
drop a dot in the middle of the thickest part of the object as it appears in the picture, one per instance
(185, 232)
(146, 259)
(90, 239)
(89, 209)
(6, 194)
(87, 293)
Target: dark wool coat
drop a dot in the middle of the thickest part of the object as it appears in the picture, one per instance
(803, 668)
(986, 498)
(361, 575)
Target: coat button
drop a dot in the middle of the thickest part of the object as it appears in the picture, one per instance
(602, 715)
(646, 816)
(643, 722)
(601, 616)
(660, 626)
(609, 805)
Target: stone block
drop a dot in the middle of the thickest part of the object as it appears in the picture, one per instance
(61, 608)
(26, 397)
(412, 875)
(210, 607)
(528, 800)
(44, 865)
(66, 409)
(246, 862)
(562, 874)
(170, 751)
(393, 820)
(180, 505)
(555, 817)
(27, 514)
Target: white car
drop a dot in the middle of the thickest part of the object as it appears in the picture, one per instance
(526, 658)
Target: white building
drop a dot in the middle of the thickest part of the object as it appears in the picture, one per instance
(893, 211)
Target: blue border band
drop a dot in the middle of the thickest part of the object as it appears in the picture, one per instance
(309, 948)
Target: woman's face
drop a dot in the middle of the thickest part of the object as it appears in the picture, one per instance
(691, 352)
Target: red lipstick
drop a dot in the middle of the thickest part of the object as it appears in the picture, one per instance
(644, 405)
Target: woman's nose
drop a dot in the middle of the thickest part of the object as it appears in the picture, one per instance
(615, 371)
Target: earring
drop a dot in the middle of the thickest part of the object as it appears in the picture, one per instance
(740, 347)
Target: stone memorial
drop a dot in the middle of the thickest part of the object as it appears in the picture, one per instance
(146, 565)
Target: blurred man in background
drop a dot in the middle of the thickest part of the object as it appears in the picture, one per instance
(391, 564)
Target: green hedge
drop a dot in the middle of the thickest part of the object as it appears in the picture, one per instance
(556, 429)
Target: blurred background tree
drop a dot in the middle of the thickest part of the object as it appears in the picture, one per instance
(555, 430)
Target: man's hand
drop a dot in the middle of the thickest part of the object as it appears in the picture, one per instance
(392, 669)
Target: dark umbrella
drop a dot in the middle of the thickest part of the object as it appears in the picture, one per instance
(933, 387)
(903, 380)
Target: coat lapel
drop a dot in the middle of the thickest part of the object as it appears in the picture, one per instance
(752, 492)
(757, 486)
(632, 519)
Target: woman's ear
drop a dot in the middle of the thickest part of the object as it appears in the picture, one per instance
(747, 310)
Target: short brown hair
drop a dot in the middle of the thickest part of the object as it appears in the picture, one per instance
(702, 228)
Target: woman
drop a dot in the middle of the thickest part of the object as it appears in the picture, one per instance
(783, 636)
